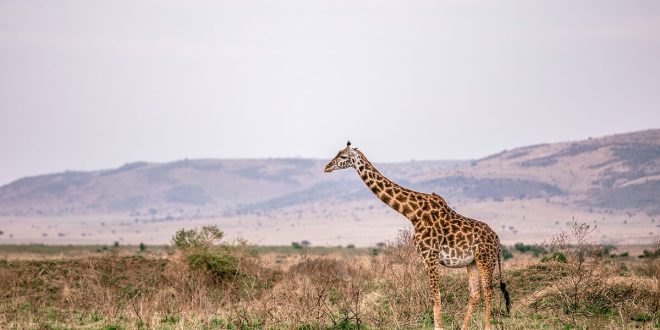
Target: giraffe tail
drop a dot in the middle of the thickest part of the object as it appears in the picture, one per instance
(505, 293)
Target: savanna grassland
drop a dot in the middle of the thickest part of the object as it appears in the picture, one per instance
(203, 282)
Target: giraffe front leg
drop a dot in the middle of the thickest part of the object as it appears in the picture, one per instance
(473, 281)
(433, 272)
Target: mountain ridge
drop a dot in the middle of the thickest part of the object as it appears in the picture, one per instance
(620, 171)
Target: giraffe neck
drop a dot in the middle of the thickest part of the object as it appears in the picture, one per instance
(386, 190)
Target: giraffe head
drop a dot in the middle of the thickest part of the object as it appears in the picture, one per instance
(345, 158)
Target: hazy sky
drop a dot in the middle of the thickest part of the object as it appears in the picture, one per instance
(95, 84)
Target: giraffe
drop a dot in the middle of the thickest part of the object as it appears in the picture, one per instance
(442, 236)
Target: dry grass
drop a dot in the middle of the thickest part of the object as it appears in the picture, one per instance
(307, 291)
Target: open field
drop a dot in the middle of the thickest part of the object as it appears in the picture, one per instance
(37, 252)
(237, 286)
(362, 223)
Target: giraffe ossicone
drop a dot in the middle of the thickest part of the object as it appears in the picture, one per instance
(442, 236)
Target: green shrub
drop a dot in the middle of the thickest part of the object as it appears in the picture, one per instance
(203, 250)
(346, 324)
(651, 254)
(113, 327)
(598, 305)
(506, 253)
(536, 250)
(522, 248)
(555, 256)
(172, 319)
(222, 263)
(204, 238)
(642, 317)
(607, 250)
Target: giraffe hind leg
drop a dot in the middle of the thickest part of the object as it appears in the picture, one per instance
(473, 281)
(486, 271)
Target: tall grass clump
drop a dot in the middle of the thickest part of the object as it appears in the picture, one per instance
(234, 267)
(588, 283)
(406, 296)
(651, 268)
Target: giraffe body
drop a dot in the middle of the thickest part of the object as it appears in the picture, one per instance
(442, 236)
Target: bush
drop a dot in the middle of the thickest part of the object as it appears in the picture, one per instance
(536, 250)
(203, 239)
(607, 250)
(555, 256)
(203, 250)
(221, 263)
(650, 254)
(586, 267)
(506, 253)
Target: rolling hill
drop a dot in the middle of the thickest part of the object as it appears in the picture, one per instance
(618, 174)
(613, 172)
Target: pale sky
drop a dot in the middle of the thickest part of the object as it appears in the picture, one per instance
(94, 84)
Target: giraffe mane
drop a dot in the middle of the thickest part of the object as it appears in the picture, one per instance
(364, 158)
(437, 198)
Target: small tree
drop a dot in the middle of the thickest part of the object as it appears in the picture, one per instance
(203, 251)
(584, 261)
(202, 239)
